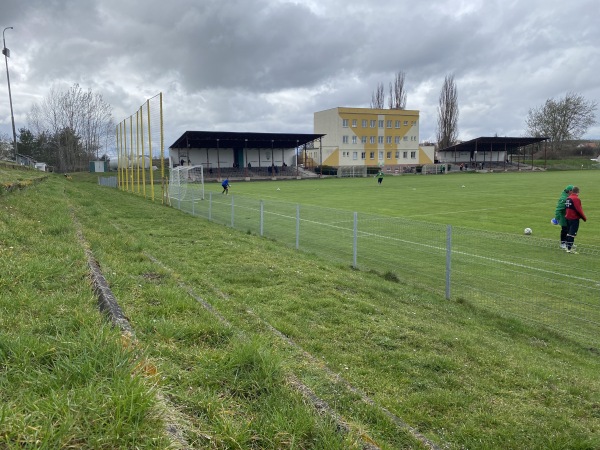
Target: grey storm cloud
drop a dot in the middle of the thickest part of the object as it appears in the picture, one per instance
(268, 65)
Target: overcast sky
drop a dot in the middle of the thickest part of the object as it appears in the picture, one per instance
(268, 65)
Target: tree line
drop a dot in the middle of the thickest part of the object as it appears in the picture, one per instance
(558, 120)
(66, 130)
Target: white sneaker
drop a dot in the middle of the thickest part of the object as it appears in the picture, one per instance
(563, 246)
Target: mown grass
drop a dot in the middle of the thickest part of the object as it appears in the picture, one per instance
(462, 376)
(504, 202)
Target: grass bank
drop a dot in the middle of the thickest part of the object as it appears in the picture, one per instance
(232, 323)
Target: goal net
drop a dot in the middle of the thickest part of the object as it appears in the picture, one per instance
(434, 169)
(352, 171)
(186, 184)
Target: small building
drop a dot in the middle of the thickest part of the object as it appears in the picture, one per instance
(25, 160)
(41, 166)
(98, 166)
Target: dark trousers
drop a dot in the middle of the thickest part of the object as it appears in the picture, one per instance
(573, 226)
(563, 234)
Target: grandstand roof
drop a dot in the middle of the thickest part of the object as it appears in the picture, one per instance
(231, 139)
(494, 144)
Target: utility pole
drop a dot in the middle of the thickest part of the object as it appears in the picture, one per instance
(6, 53)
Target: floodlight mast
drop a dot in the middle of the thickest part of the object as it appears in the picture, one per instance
(6, 53)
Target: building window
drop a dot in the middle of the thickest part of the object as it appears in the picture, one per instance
(372, 155)
(397, 139)
(372, 139)
(380, 155)
(380, 139)
(405, 138)
(413, 155)
(345, 139)
(389, 139)
(380, 123)
(363, 139)
(397, 155)
(345, 123)
(353, 123)
(397, 124)
(405, 122)
(355, 155)
(405, 155)
(389, 155)
(373, 123)
(363, 155)
(364, 123)
(389, 124)
(354, 139)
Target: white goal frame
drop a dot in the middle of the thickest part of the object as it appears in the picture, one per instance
(186, 183)
(352, 171)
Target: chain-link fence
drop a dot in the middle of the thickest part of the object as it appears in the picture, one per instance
(517, 276)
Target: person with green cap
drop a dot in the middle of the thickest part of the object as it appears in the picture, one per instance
(559, 215)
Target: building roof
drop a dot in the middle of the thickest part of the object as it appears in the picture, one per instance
(230, 139)
(494, 144)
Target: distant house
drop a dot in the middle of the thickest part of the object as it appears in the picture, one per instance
(41, 166)
(25, 160)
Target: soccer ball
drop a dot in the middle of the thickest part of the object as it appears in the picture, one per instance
(528, 231)
(554, 221)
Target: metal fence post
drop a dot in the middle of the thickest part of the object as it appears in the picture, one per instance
(262, 216)
(355, 243)
(210, 205)
(232, 211)
(297, 227)
(448, 258)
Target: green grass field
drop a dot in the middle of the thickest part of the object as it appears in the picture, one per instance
(227, 324)
(506, 202)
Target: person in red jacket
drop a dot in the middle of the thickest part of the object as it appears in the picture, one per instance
(573, 213)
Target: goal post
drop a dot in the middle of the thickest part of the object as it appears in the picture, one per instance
(352, 171)
(434, 169)
(186, 184)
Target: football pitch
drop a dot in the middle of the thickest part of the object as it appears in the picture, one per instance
(461, 235)
(500, 202)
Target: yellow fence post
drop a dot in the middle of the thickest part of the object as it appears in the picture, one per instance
(150, 150)
(162, 150)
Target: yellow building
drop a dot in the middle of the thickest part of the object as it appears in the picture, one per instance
(369, 137)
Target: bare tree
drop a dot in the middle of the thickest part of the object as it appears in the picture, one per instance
(77, 123)
(562, 119)
(397, 92)
(6, 147)
(378, 97)
(447, 131)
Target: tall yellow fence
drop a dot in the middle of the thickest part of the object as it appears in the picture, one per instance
(140, 141)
